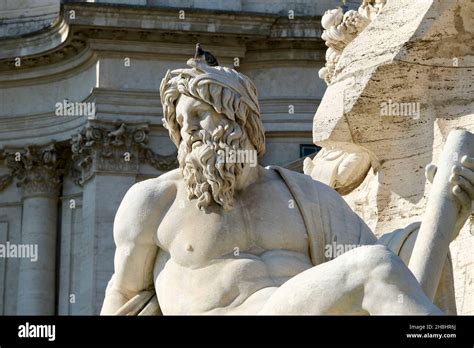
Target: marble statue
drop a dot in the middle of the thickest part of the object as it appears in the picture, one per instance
(219, 236)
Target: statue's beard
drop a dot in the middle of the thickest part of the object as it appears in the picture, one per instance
(206, 177)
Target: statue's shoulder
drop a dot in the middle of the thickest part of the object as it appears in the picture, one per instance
(164, 181)
(154, 193)
(143, 205)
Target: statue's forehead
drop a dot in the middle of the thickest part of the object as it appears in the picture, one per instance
(187, 102)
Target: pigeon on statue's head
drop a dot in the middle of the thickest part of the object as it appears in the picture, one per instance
(208, 57)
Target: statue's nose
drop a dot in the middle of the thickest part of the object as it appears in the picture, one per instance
(190, 125)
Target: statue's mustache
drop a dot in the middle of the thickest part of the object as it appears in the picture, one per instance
(222, 135)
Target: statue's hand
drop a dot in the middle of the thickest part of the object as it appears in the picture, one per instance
(462, 178)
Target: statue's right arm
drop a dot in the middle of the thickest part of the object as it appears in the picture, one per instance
(135, 227)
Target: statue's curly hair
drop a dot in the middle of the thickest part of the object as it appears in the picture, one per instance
(229, 92)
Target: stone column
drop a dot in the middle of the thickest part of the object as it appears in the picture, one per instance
(108, 157)
(37, 170)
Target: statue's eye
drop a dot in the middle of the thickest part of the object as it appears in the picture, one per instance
(202, 113)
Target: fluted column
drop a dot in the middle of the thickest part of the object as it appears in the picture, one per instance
(37, 170)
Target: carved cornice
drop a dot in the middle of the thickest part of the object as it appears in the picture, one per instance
(70, 48)
(120, 148)
(37, 169)
(170, 41)
(159, 28)
(36, 42)
(167, 19)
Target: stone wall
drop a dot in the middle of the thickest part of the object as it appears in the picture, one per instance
(20, 17)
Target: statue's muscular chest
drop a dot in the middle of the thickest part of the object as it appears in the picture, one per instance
(264, 218)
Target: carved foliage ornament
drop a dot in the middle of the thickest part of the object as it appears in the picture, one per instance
(37, 168)
(341, 28)
(98, 148)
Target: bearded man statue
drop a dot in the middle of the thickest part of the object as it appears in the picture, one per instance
(219, 235)
(232, 95)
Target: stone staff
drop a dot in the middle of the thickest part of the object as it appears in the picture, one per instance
(442, 210)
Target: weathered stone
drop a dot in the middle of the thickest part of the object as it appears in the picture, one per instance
(398, 88)
(19, 17)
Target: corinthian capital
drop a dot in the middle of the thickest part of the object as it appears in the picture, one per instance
(120, 147)
(36, 167)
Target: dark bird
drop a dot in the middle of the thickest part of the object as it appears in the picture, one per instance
(210, 59)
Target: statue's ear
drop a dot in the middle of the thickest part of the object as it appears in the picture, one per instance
(430, 172)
